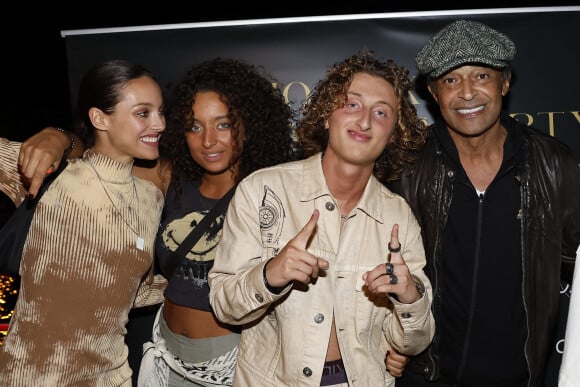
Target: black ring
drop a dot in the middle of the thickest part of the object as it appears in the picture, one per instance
(393, 279)
(389, 268)
(394, 250)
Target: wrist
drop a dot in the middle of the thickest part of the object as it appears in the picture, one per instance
(271, 289)
(419, 285)
(71, 138)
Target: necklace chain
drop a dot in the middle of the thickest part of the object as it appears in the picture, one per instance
(140, 243)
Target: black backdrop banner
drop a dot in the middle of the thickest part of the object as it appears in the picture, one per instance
(545, 90)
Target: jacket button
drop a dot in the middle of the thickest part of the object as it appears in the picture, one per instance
(307, 371)
(319, 318)
(330, 206)
(406, 315)
(259, 297)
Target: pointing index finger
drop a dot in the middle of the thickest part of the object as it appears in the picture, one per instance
(305, 234)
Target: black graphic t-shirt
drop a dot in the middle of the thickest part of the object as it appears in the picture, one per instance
(188, 285)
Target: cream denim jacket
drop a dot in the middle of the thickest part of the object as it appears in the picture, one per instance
(285, 336)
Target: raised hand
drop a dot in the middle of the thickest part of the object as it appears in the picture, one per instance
(294, 263)
(393, 276)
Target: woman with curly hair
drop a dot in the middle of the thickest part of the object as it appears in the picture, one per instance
(225, 120)
(319, 262)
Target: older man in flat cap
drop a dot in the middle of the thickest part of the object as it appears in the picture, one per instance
(498, 203)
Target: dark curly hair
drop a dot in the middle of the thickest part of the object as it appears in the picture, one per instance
(330, 94)
(252, 100)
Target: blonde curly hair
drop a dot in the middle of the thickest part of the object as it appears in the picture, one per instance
(330, 94)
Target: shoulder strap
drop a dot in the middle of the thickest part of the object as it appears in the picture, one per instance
(15, 231)
(180, 253)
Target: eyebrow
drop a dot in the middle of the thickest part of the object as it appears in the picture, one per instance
(148, 104)
(216, 118)
(356, 94)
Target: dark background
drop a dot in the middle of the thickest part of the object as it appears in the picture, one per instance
(34, 81)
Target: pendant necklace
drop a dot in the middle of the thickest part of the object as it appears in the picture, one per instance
(140, 243)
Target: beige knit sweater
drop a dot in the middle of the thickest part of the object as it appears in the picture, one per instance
(81, 273)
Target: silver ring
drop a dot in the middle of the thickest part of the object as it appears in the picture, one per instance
(393, 279)
(389, 268)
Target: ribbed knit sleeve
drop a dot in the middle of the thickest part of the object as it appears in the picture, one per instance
(10, 179)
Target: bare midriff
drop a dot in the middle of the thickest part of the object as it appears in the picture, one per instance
(333, 351)
(192, 323)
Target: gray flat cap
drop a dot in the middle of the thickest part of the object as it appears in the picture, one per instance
(462, 42)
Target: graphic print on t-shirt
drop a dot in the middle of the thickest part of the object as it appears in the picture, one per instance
(177, 230)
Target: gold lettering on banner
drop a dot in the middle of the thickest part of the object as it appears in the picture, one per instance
(529, 121)
(413, 99)
(303, 86)
(551, 119)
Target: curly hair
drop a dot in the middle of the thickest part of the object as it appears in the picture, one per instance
(330, 94)
(252, 100)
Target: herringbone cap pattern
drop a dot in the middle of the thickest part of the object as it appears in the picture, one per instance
(462, 42)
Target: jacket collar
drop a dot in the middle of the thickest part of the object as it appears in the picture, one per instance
(314, 186)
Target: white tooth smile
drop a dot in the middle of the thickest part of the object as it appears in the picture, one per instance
(150, 139)
(469, 111)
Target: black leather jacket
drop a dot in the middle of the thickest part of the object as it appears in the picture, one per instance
(549, 180)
